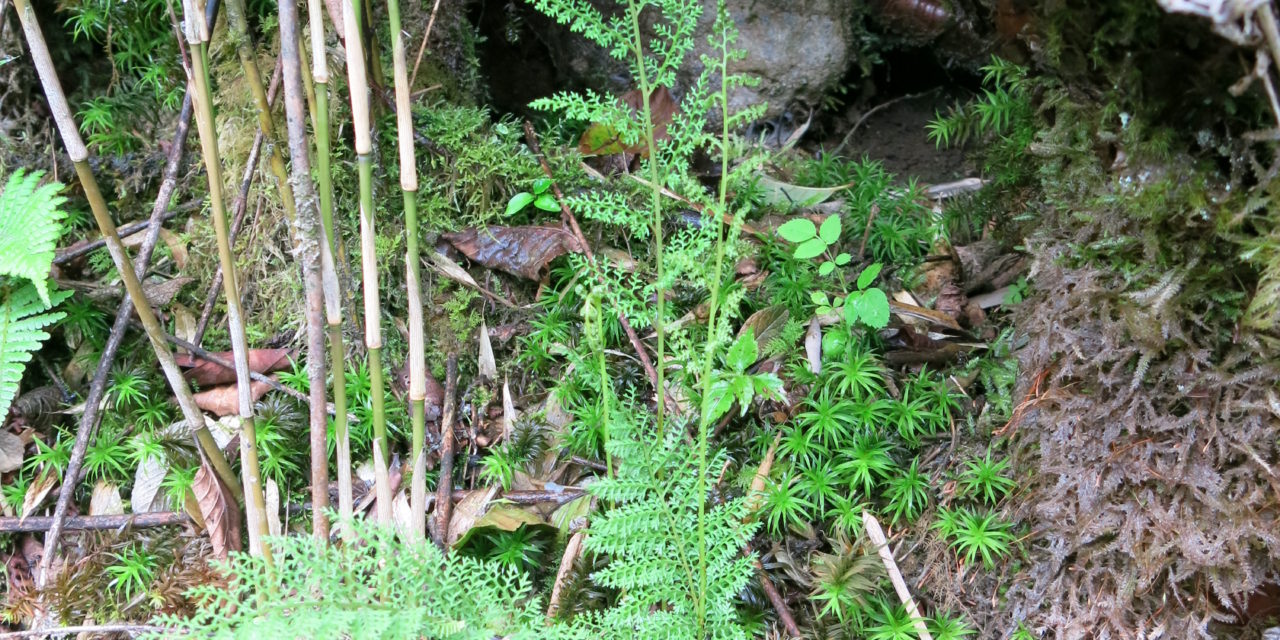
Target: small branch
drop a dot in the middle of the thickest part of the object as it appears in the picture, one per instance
(531, 138)
(866, 233)
(775, 598)
(133, 228)
(872, 111)
(36, 524)
(444, 487)
(876, 534)
(431, 22)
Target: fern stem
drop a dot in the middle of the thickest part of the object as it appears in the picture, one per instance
(202, 96)
(79, 155)
(655, 209)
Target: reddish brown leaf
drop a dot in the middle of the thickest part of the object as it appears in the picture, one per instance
(208, 374)
(519, 251)
(223, 401)
(219, 509)
(602, 139)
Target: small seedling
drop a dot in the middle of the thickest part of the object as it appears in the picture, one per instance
(813, 241)
(540, 197)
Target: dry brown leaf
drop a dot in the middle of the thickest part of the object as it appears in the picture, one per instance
(271, 500)
(146, 486)
(223, 401)
(208, 374)
(520, 251)
(105, 500)
(601, 139)
(219, 511)
(467, 511)
(488, 366)
(12, 451)
(813, 346)
(184, 322)
(571, 553)
(37, 491)
(767, 323)
(509, 415)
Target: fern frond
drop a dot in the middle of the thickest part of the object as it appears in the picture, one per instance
(29, 229)
(23, 318)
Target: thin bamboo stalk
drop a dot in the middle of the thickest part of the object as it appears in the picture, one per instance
(358, 83)
(249, 61)
(79, 155)
(197, 34)
(310, 236)
(417, 346)
(328, 270)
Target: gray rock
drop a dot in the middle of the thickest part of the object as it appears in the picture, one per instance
(799, 50)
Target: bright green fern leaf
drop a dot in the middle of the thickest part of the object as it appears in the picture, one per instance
(29, 229)
(23, 318)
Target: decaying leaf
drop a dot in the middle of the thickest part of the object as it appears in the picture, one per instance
(813, 346)
(105, 500)
(781, 194)
(487, 365)
(767, 323)
(208, 374)
(572, 515)
(467, 511)
(223, 401)
(502, 516)
(571, 552)
(38, 490)
(11, 452)
(509, 415)
(271, 500)
(520, 251)
(601, 139)
(219, 511)
(146, 486)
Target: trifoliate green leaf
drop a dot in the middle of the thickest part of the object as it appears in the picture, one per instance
(798, 230)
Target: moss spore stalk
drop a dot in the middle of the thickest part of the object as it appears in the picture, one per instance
(197, 34)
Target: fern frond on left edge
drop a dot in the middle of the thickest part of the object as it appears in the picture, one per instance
(29, 228)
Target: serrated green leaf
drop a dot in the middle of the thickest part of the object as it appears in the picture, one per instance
(744, 351)
(810, 249)
(818, 297)
(22, 322)
(547, 202)
(798, 230)
(868, 275)
(873, 308)
(830, 230)
(29, 229)
(519, 201)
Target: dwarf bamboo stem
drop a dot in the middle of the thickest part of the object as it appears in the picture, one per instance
(328, 270)
(417, 344)
(202, 98)
(310, 236)
(79, 155)
(249, 61)
(358, 83)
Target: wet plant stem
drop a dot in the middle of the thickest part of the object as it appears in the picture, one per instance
(328, 267)
(197, 33)
(309, 236)
(79, 156)
(358, 84)
(417, 340)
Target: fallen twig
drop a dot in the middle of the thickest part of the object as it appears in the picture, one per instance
(95, 629)
(36, 524)
(444, 487)
(872, 111)
(133, 228)
(431, 22)
(775, 598)
(876, 534)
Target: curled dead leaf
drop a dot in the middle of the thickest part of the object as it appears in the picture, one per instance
(208, 374)
(223, 401)
(219, 511)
